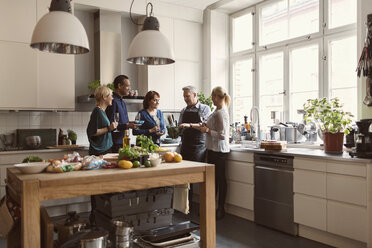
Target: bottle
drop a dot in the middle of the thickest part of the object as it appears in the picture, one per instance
(126, 139)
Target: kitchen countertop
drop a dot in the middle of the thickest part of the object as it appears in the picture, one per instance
(41, 150)
(307, 153)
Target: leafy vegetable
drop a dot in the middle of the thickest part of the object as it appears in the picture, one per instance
(128, 153)
(328, 115)
(205, 100)
(174, 132)
(71, 135)
(31, 158)
(146, 144)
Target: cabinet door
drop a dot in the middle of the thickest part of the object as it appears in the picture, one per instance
(18, 76)
(310, 164)
(310, 211)
(17, 20)
(310, 182)
(347, 189)
(240, 172)
(56, 81)
(347, 220)
(240, 194)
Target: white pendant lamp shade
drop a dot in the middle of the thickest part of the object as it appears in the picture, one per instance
(60, 32)
(150, 47)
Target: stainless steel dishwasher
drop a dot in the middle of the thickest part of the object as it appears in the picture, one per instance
(273, 192)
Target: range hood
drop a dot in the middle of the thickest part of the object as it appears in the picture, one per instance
(107, 57)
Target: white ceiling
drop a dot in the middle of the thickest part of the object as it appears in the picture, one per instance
(227, 6)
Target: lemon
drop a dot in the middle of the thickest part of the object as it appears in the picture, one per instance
(177, 158)
(125, 164)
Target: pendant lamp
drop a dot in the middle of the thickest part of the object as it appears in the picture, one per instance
(150, 46)
(59, 31)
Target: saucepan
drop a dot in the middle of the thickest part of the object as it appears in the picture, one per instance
(33, 142)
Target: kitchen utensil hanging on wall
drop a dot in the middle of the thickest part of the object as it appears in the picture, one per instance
(364, 65)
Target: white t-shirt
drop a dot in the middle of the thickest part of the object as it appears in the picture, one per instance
(219, 125)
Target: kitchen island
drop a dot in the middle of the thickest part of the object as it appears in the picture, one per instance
(33, 188)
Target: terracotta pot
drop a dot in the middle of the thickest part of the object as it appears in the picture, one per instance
(333, 142)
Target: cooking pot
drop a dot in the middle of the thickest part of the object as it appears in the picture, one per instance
(94, 239)
(292, 135)
(70, 226)
(33, 142)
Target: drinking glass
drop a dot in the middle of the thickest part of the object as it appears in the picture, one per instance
(116, 119)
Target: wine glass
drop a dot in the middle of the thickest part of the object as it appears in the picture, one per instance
(116, 119)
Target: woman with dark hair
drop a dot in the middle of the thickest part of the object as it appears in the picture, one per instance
(154, 121)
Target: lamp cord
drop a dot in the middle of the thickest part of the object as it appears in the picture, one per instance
(130, 12)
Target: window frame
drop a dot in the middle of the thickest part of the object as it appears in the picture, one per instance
(321, 37)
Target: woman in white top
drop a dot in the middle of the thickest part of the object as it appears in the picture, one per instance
(217, 143)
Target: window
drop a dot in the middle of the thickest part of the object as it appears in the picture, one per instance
(271, 86)
(285, 19)
(242, 33)
(303, 77)
(341, 12)
(293, 57)
(242, 91)
(341, 71)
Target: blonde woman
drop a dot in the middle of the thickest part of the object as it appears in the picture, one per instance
(217, 143)
(99, 127)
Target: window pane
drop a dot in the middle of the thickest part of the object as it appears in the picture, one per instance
(279, 22)
(342, 76)
(349, 98)
(342, 62)
(242, 33)
(303, 17)
(303, 78)
(271, 86)
(273, 22)
(242, 88)
(341, 12)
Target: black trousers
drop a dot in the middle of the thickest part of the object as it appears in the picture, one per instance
(219, 160)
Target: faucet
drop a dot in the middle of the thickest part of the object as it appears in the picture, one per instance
(255, 117)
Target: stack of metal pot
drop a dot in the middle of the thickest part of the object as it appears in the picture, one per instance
(123, 234)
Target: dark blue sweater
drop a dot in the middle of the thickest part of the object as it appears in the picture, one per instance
(150, 123)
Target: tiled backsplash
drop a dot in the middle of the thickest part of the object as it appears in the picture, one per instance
(76, 121)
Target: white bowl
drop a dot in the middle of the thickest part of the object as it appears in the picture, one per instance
(155, 162)
(31, 168)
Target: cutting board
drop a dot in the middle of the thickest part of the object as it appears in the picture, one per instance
(65, 147)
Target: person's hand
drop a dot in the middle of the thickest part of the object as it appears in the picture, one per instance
(154, 129)
(184, 125)
(204, 124)
(160, 133)
(132, 125)
(203, 129)
(113, 126)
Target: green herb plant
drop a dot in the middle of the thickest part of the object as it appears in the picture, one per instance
(94, 84)
(71, 135)
(328, 115)
(205, 100)
(128, 153)
(146, 144)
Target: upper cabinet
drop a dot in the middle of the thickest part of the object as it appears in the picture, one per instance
(17, 20)
(30, 79)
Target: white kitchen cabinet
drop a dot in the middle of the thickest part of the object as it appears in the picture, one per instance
(310, 211)
(309, 182)
(240, 184)
(347, 189)
(188, 40)
(56, 81)
(310, 164)
(240, 194)
(17, 20)
(347, 220)
(18, 76)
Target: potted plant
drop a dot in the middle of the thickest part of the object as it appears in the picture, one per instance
(205, 100)
(72, 136)
(93, 85)
(147, 146)
(331, 119)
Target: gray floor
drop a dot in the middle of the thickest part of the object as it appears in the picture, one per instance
(236, 232)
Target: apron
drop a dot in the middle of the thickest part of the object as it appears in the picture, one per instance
(193, 141)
